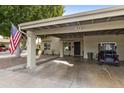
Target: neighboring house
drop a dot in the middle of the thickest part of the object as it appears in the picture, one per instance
(5, 41)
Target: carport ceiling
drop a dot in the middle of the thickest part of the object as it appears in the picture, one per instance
(78, 23)
(81, 34)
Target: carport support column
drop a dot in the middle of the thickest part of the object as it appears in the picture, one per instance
(31, 50)
(61, 49)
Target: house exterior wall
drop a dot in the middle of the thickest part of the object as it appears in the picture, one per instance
(91, 44)
(54, 45)
(88, 44)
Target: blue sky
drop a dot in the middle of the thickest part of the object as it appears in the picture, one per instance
(71, 9)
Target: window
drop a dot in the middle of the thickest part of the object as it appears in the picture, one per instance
(47, 46)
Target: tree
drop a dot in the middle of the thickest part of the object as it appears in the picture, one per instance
(19, 14)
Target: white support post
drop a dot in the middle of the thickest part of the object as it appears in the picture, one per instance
(61, 49)
(31, 50)
(18, 51)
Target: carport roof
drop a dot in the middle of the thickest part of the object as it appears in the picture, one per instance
(75, 18)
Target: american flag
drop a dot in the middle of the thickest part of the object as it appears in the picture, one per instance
(14, 39)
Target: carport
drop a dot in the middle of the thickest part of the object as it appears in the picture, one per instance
(79, 27)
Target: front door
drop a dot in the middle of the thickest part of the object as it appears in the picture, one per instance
(77, 48)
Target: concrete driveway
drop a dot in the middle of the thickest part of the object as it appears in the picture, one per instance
(67, 72)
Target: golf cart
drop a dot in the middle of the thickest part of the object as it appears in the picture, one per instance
(107, 53)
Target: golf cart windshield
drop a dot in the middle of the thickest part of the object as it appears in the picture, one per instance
(108, 47)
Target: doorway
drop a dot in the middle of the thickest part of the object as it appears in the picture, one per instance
(77, 48)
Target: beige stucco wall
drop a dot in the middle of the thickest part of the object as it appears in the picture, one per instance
(55, 45)
(88, 44)
(91, 43)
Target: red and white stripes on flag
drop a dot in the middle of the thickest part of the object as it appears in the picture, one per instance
(14, 39)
